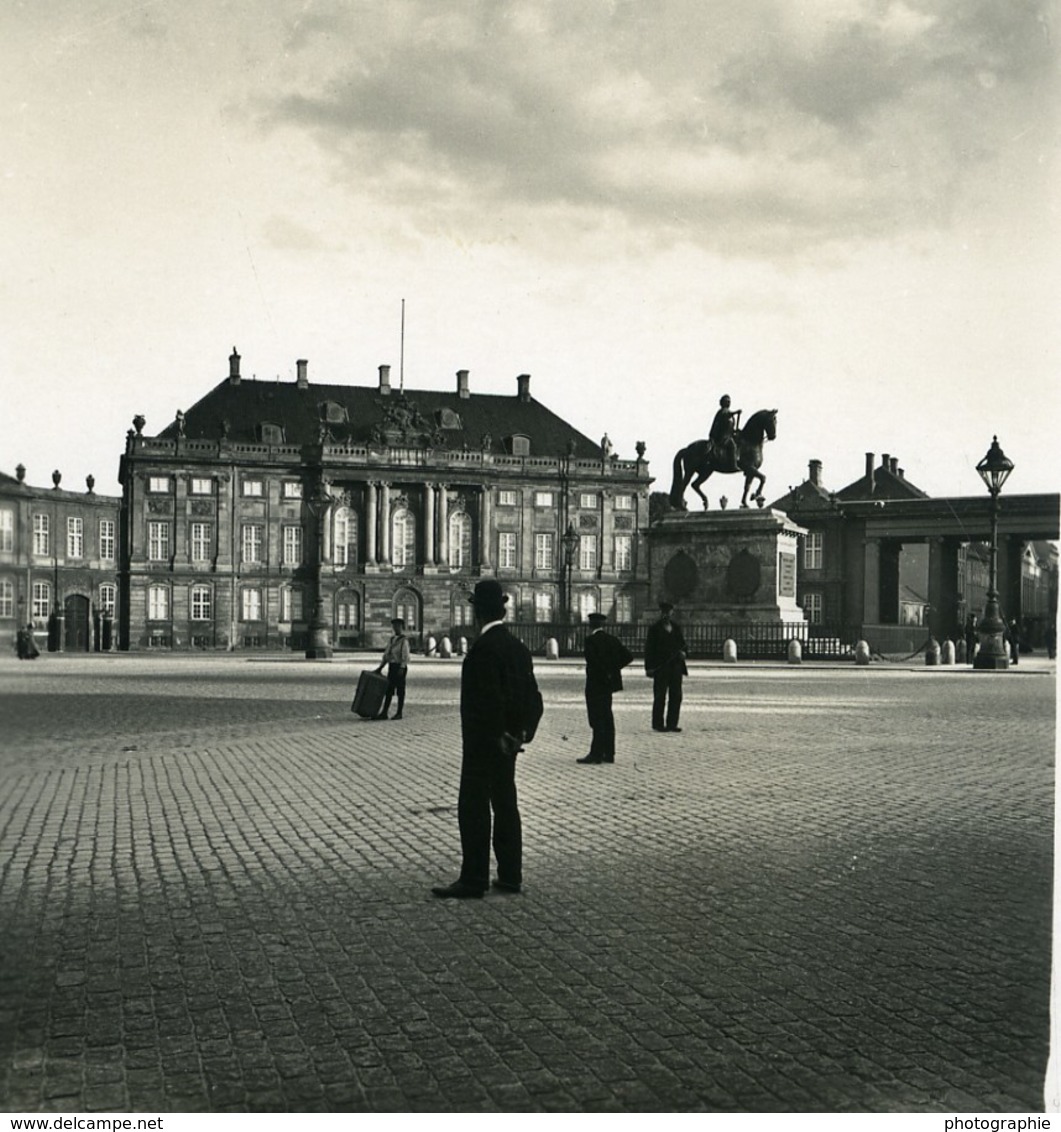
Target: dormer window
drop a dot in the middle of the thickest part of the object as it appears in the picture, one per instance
(270, 433)
(331, 412)
(448, 418)
(518, 444)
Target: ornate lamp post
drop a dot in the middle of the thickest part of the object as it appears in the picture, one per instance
(319, 646)
(570, 541)
(994, 470)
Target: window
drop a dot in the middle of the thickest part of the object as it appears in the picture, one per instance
(624, 608)
(7, 530)
(75, 537)
(42, 543)
(812, 607)
(587, 552)
(506, 550)
(624, 552)
(7, 598)
(520, 445)
(42, 600)
(251, 604)
(460, 540)
(292, 489)
(202, 485)
(345, 537)
(202, 603)
(506, 499)
(407, 608)
(587, 501)
(202, 541)
(158, 483)
(292, 546)
(157, 603)
(543, 551)
(106, 538)
(543, 605)
(108, 596)
(403, 536)
(252, 488)
(158, 540)
(463, 614)
(543, 499)
(252, 543)
(624, 503)
(347, 611)
(291, 603)
(587, 603)
(812, 551)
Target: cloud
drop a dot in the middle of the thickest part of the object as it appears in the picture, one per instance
(744, 125)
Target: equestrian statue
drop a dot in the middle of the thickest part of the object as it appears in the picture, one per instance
(728, 449)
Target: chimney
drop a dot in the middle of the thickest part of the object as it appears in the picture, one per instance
(462, 384)
(816, 473)
(902, 474)
(384, 381)
(233, 367)
(893, 465)
(302, 381)
(884, 461)
(869, 471)
(523, 387)
(20, 472)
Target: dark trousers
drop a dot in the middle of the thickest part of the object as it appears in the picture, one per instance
(601, 720)
(488, 782)
(666, 691)
(396, 674)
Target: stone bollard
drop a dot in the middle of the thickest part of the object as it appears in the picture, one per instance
(959, 652)
(462, 646)
(795, 652)
(947, 655)
(932, 651)
(862, 653)
(729, 651)
(429, 646)
(445, 648)
(552, 649)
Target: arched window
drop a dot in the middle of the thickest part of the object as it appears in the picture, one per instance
(403, 538)
(347, 610)
(407, 607)
(460, 540)
(345, 544)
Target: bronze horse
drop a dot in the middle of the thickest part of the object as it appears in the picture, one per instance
(700, 459)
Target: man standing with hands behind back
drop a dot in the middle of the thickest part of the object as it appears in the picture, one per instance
(665, 663)
(606, 657)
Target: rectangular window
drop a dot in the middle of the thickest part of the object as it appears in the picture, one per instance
(543, 605)
(106, 539)
(252, 543)
(812, 551)
(42, 542)
(291, 603)
(543, 499)
(346, 614)
(202, 540)
(75, 537)
(587, 501)
(202, 486)
(624, 503)
(108, 596)
(506, 499)
(42, 600)
(202, 606)
(251, 604)
(253, 488)
(812, 608)
(624, 552)
(7, 530)
(624, 609)
(587, 552)
(506, 550)
(158, 603)
(158, 540)
(292, 489)
(7, 598)
(587, 603)
(543, 551)
(158, 483)
(292, 546)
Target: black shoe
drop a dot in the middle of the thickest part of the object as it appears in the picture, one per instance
(611, 760)
(672, 729)
(380, 718)
(505, 886)
(590, 759)
(398, 716)
(458, 890)
(655, 728)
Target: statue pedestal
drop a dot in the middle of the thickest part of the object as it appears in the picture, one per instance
(720, 567)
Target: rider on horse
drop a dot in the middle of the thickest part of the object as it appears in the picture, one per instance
(723, 434)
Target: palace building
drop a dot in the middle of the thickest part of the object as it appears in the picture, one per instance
(305, 516)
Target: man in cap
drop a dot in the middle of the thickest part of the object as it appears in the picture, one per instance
(665, 663)
(396, 658)
(606, 657)
(723, 432)
(500, 707)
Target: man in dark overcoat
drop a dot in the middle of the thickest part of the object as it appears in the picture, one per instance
(500, 707)
(606, 657)
(665, 663)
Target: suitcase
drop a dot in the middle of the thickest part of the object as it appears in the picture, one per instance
(370, 694)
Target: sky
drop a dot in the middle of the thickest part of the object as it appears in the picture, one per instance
(842, 209)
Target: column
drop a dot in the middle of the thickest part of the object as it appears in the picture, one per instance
(429, 524)
(943, 617)
(371, 522)
(443, 526)
(485, 534)
(385, 523)
(871, 582)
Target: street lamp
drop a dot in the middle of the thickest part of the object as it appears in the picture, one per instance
(319, 647)
(570, 541)
(994, 470)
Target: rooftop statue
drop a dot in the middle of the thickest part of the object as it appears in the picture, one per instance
(728, 450)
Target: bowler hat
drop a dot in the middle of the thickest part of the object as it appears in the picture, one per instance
(400, 621)
(597, 618)
(665, 606)
(488, 592)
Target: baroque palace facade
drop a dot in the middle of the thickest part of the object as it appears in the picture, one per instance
(306, 516)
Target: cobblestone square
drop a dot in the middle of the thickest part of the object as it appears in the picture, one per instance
(831, 892)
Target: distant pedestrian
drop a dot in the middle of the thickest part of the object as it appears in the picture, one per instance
(1051, 639)
(665, 663)
(606, 657)
(970, 638)
(25, 645)
(1012, 635)
(500, 709)
(396, 658)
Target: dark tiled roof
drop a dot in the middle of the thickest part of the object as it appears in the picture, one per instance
(807, 496)
(8, 481)
(300, 412)
(886, 485)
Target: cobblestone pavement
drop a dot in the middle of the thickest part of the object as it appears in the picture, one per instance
(831, 891)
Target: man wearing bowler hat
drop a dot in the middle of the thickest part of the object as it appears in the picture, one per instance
(665, 663)
(500, 708)
(606, 657)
